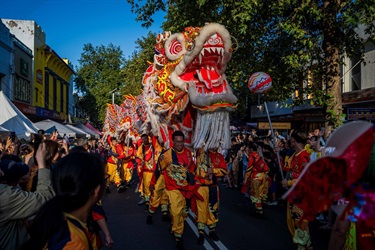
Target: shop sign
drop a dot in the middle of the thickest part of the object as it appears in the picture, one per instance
(50, 113)
(361, 113)
(275, 125)
(44, 112)
(26, 109)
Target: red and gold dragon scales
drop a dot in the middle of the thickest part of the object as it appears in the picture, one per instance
(185, 88)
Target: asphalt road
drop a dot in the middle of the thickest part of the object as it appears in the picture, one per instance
(237, 227)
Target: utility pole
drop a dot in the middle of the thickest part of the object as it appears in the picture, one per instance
(113, 95)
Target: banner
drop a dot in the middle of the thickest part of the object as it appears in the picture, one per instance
(275, 125)
(361, 114)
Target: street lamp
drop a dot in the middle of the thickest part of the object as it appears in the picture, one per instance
(113, 95)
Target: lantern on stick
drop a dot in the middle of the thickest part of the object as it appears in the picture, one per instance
(260, 83)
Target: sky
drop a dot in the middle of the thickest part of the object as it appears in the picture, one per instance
(69, 24)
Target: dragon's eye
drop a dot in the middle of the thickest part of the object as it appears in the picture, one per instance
(190, 46)
(175, 47)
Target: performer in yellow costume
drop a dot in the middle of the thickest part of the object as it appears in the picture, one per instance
(159, 196)
(256, 179)
(178, 164)
(147, 156)
(127, 162)
(210, 166)
(297, 227)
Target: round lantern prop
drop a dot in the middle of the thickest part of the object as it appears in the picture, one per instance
(259, 83)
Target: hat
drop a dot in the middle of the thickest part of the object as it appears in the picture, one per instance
(13, 170)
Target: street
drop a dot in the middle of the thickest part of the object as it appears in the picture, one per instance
(237, 227)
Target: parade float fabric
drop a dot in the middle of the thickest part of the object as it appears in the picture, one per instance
(347, 172)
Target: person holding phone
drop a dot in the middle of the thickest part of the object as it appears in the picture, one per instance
(16, 205)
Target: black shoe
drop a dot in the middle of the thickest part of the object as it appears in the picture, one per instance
(149, 220)
(127, 186)
(120, 189)
(165, 217)
(200, 239)
(213, 236)
(179, 245)
(147, 208)
(259, 213)
(141, 202)
(107, 190)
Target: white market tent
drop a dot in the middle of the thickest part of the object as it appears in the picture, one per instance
(78, 130)
(12, 119)
(61, 128)
(3, 129)
(86, 129)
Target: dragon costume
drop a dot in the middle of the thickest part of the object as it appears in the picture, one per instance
(185, 88)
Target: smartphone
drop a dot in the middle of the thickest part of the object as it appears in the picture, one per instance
(13, 136)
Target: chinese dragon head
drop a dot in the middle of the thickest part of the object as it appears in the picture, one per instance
(186, 89)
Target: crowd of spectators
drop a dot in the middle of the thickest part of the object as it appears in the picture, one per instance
(38, 183)
(277, 152)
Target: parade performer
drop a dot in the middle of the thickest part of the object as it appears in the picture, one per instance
(112, 168)
(210, 166)
(346, 170)
(147, 157)
(127, 162)
(177, 165)
(256, 179)
(298, 226)
(159, 196)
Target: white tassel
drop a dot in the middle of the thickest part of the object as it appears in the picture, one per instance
(212, 130)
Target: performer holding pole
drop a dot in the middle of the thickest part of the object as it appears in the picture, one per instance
(260, 83)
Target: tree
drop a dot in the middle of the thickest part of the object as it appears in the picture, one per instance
(291, 40)
(98, 73)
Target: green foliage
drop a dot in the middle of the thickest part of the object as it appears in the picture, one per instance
(99, 72)
(136, 65)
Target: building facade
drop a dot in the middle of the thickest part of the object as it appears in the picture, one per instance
(51, 76)
(6, 59)
(359, 83)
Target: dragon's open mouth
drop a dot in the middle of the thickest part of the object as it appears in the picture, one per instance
(206, 84)
(204, 71)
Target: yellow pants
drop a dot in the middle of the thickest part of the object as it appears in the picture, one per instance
(159, 196)
(177, 211)
(146, 180)
(258, 189)
(298, 229)
(114, 175)
(127, 172)
(207, 214)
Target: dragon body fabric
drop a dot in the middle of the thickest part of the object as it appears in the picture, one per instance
(185, 88)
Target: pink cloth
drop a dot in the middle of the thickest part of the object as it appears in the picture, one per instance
(88, 125)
